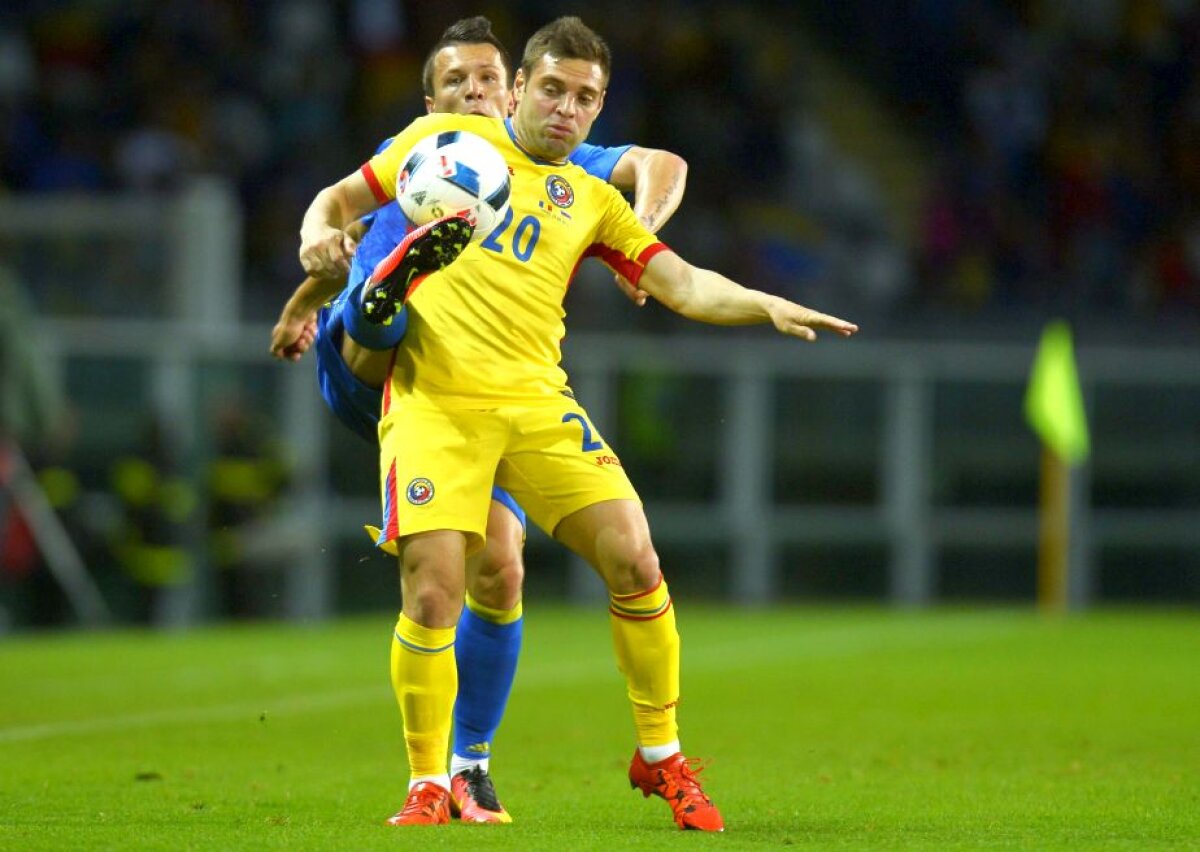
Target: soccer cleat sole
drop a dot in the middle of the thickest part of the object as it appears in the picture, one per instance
(430, 248)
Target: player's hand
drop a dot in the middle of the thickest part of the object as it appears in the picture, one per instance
(799, 321)
(293, 336)
(634, 294)
(327, 254)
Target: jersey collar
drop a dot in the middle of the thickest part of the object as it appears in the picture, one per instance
(513, 136)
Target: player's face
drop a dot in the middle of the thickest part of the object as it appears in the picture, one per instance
(557, 105)
(469, 79)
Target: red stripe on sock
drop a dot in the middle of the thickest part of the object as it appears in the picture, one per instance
(628, 617)
(635, 595)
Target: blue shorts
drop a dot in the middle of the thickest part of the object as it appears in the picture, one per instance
(355, 404)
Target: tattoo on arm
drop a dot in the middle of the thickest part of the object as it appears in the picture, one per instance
(650, 219)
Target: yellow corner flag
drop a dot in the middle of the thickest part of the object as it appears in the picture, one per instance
(1053, 400)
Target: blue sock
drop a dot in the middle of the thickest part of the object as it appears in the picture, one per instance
(367, 334)
(486, 653)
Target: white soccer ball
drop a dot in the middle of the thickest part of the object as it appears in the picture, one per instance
(454, 173)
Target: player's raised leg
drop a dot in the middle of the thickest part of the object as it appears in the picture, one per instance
(426, 249)
(614, 538)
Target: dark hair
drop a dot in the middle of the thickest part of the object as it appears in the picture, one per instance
(567, 38)
(476, 30)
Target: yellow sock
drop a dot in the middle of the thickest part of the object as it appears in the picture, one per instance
(425, 680)
(647, 646)
(495, 616)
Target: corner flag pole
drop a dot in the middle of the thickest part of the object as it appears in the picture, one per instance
(1055, 411)
(1054, 532)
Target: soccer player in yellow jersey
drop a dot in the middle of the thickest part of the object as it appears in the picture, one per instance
(477, 391)
(468, 72)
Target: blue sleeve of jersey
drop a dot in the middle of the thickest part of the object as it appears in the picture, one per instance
(598, 161)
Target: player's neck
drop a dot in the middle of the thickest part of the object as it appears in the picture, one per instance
(514, 131)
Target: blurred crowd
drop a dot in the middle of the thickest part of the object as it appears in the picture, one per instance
(1063, 133)
(1068, 136)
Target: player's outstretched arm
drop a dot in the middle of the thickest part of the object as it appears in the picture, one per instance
(325, 246)
(296, 328)
(706, 296)
(657, 179)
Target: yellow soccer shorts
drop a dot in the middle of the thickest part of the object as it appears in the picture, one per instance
(438, 465)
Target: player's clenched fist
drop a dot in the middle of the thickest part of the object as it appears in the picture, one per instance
(327, 253)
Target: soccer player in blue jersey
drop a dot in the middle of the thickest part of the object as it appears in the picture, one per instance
(477, 398)
(466, 72)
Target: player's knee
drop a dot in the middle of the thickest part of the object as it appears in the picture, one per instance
(497, 584)
(432, 606)
(635, 570)
(430, 584)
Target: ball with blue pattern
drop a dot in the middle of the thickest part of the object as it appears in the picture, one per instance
(454, 173)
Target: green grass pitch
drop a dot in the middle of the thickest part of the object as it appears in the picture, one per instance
(825, 728)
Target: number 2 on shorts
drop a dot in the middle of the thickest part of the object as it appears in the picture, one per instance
(589, 445)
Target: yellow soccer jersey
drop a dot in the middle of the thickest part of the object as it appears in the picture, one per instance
(487, 328)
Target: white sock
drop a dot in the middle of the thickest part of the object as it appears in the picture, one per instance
(653, 754)
(442, 781)
(460, 764)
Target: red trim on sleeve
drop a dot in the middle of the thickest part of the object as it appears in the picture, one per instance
(651, 251)
(630, 270)
(373, 182)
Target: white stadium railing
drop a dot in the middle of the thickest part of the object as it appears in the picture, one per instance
(905, 520)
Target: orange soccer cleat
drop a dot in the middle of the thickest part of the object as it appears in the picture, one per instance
(473, 797)
(427, 249)
(427, 804)
(674, 779)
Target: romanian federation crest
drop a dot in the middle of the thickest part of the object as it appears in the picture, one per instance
(560, 191)
(419, 491)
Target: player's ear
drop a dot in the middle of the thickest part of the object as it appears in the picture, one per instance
(428, 104)
(519, 84)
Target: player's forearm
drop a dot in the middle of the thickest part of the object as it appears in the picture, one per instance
(328, 210)
(309, 296)
(706, 296)
(661, 179)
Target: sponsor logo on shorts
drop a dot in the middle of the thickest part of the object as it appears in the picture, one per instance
(419, 491)
(560, 191)
(601, 461)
